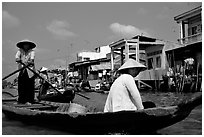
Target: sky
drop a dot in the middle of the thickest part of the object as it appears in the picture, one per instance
(62, 29)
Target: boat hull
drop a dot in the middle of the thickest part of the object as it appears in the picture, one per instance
(137, 122)
(132, 122)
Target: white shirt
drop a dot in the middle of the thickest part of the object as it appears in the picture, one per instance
(25, 57)
(123, 95)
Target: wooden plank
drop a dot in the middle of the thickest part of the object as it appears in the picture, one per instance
(9, 99)
(26, 105)
(39, 107)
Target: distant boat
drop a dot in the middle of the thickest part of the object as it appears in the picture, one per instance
(77, 119)
(66, 97)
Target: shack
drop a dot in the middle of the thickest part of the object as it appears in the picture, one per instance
(148, 51)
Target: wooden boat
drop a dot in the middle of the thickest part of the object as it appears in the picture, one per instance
(60, 115)
(64, 97)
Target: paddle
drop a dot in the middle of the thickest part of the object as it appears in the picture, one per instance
(13, 73)
(48, 82)
(82, 95)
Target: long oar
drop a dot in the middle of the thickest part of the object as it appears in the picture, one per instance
(82, 95)
(13, 73)
(48, 82)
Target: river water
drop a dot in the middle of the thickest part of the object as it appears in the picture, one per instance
(192, 125)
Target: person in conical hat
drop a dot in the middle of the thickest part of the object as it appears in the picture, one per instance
(124, 94)
(43, 69)
(26, 78)
(43, 72)
(132, 66)
(25, 53)
(26, 44)
(44, 86)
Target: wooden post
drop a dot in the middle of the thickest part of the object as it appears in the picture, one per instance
(197, 78)
(112, 59)
(121, 56)
(181, 31)
(126, 51)
(155, 81)
(137, 56)
(173, 59)
(137, 49)
(183, 79)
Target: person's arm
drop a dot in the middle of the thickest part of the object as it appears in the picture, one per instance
(17, 57)
(134, 92)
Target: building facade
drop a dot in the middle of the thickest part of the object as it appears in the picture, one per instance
(92, 65)
(158, 55)
(190, 23)
(186, 60)
(100, 52)
(146, 50)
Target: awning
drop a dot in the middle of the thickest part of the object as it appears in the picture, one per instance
(172, 46)
(101, 67)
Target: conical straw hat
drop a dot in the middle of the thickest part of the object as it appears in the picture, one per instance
(131, 63)
(43, 69)
(28, 42)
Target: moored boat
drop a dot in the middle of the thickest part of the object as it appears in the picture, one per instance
(61, 115)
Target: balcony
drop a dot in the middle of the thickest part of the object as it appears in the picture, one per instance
(191, 39)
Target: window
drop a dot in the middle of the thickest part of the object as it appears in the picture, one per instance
(150, 63)
(158, 62)
(199, 28)
(194, 30)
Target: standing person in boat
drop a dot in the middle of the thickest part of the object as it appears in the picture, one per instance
(44, 85)
(124, 94)
(26, 78)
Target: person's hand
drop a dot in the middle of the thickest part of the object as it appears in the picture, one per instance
(30, 63)
(18, 60)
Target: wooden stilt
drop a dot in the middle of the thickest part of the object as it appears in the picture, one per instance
(183, 79)
(197, 77)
